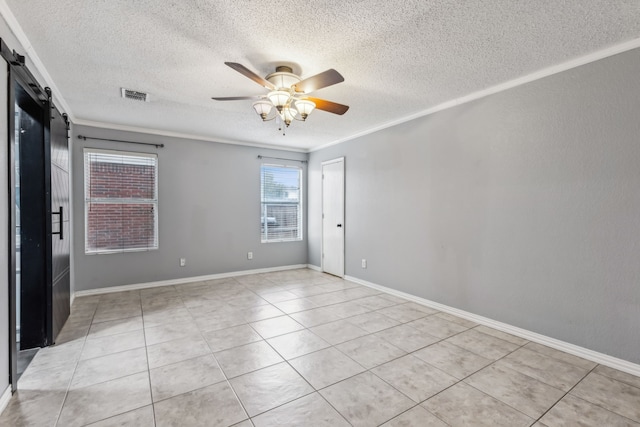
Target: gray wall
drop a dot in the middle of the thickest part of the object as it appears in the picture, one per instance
(523, 207)
(209, 213)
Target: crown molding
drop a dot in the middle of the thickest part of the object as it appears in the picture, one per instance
(150, 131)
(519, 81)
(15, 27)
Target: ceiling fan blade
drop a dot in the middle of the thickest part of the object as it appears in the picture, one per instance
(253, 76)
(234, 98)
(324, 79)
(331, 107)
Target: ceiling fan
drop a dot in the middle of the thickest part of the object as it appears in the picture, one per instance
(288, 94)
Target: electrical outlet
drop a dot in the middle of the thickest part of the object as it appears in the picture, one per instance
(249, 255)
(183, 262)
(364, 263)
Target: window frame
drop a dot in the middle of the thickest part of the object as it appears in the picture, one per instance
(88, 200)
(300, 203)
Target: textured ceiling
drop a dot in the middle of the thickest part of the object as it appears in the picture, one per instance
(397, 58)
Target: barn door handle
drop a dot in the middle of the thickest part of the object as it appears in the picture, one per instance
(61, 232)
(339, 225)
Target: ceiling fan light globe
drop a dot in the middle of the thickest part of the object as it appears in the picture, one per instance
(279, 98)
(305, 107)
(263, 108)
(288, 114)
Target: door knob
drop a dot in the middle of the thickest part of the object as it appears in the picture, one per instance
(339, 225)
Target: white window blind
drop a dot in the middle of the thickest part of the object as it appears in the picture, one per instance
(121, 201)
(281, 203)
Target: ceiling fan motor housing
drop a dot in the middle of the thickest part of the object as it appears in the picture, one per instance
(283, 78)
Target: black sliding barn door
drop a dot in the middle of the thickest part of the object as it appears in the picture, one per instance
(31, 118)
(60, 226)
(39, 222)
(44, 220)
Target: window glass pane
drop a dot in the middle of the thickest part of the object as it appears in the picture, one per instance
(281, 213)
(117, 226)
(120, 201)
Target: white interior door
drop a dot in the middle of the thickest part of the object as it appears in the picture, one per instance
(333, 217)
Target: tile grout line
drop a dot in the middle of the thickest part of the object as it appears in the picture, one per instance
(459, 380)
(285, 360)
(565, 395)
(298, 373)
(399, 391)
(334, 346)
(123, 376)
(75, 368)
(588, 401)
(333, 407)
(596, 404)
(146, 352)
(305, 328)
(420, 405)
(315, 390)
(602, 374)
(85, 337)
(224, 374)
(493, 363)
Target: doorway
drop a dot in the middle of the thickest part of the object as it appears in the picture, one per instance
(333, 217)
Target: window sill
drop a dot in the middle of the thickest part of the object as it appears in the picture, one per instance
(119, 251)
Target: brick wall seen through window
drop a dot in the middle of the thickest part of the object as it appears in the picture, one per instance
(121, 204)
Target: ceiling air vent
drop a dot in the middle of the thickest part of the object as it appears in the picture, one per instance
(135, 95)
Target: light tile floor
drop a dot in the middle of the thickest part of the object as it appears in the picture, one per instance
(300, 348)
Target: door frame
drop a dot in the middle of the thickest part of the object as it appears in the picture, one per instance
(342, 254)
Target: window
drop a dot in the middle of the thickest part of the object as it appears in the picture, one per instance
(281, 203)
(121, 201)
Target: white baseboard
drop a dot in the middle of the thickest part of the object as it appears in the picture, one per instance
(314, 267)
(5, 398)
(601, 358)
(181, 281)
(585, 353)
